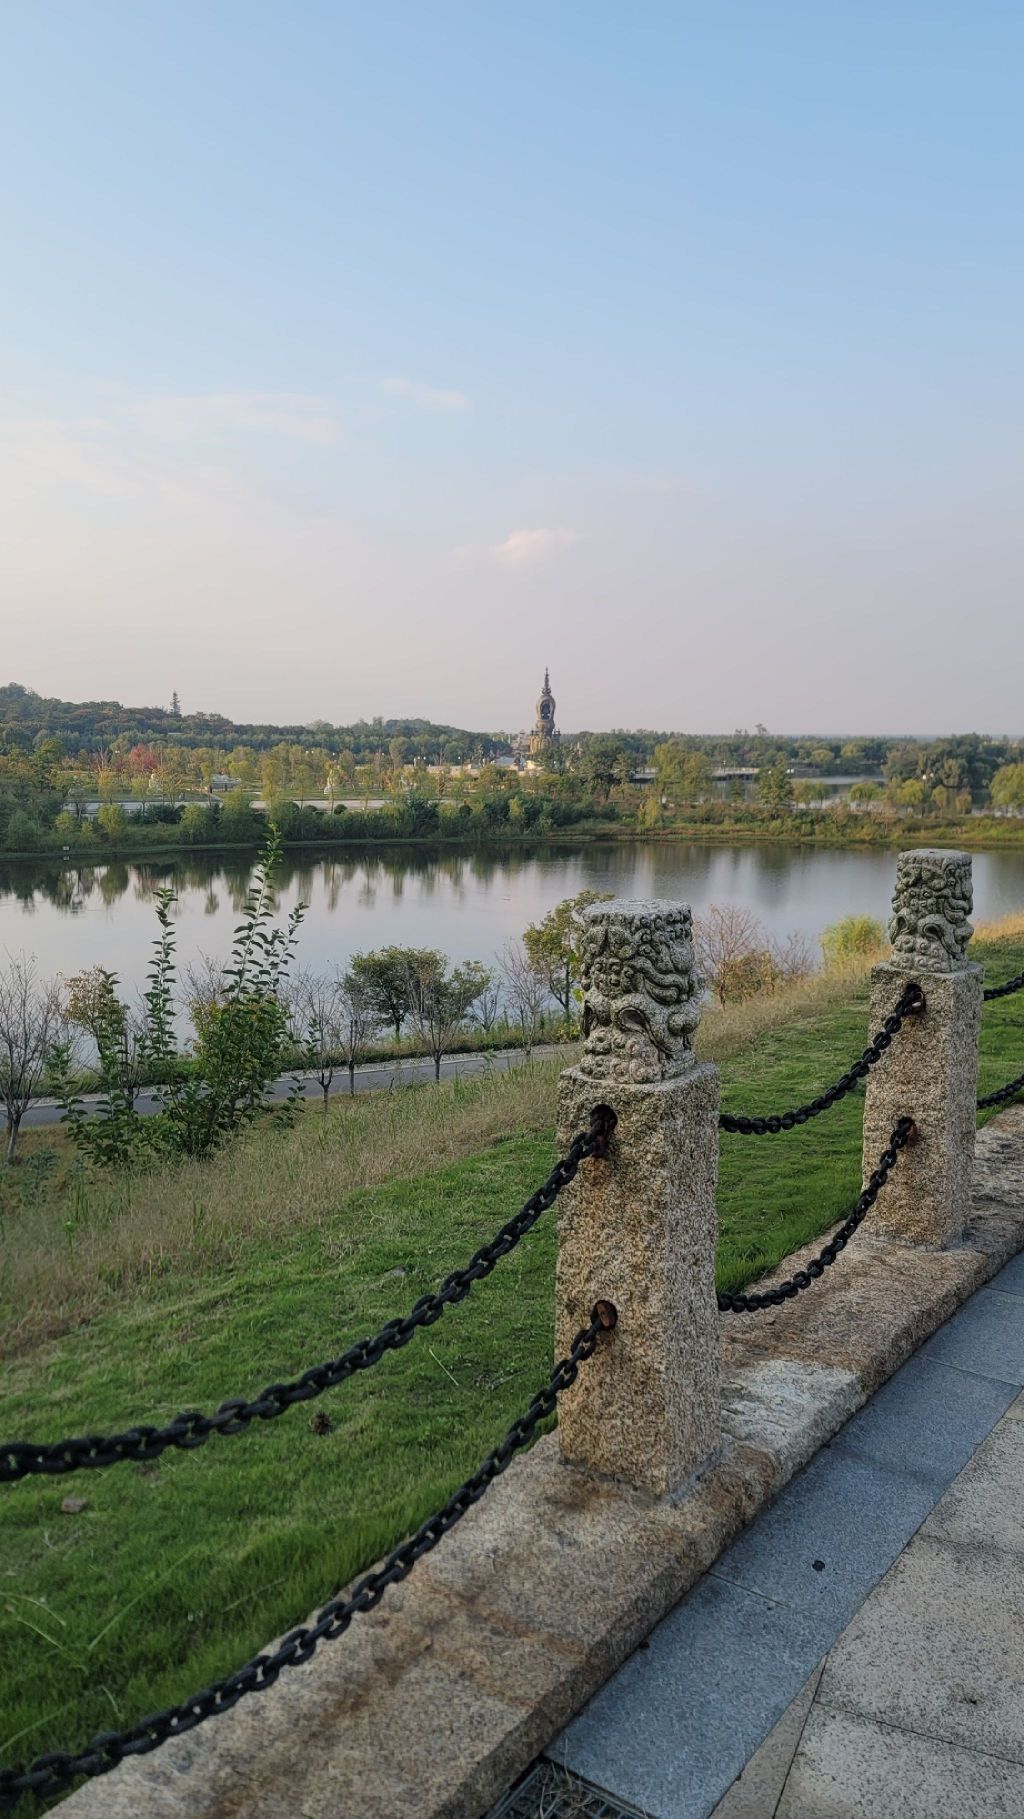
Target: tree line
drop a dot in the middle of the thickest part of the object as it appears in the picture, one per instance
(168, 784)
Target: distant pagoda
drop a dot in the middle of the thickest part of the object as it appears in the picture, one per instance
(545, 732)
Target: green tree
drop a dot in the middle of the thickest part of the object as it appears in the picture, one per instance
(681, 774)
(385, 975)
(605, 763)
(115, 1138)
(23, 832)
(553, 947)
(1007, 788)
(112, 822)
(807, 794)
(913, 794)
(774, 786)
(439, 1000)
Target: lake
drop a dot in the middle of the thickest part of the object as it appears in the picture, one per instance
(467, 903)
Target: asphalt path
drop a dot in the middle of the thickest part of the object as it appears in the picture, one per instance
(381, 1076)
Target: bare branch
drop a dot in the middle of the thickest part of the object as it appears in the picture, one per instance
(32, 1024)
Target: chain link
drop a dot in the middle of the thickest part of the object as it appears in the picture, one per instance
(52, 1774)
(24, 1458)
(904, 1133)
(1003, 1093)
(912, 1000)
(1003, 991)
(1012, 1087)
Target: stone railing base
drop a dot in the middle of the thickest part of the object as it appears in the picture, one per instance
(432, 1705)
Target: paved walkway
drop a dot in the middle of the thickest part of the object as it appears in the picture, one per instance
(858, 1653)
(375, 1077)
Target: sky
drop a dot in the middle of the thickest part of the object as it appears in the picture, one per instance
(364, 360)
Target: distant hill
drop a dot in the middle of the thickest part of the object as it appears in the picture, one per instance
(92, 725)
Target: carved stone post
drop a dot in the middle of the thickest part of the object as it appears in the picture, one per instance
(639, 1228)
(930, 1073)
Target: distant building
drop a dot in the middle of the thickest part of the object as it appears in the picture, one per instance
(545, 732)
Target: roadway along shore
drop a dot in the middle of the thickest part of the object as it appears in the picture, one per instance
(378, 1076)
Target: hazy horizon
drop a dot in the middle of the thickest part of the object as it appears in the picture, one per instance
(364, 362)
(512, 728)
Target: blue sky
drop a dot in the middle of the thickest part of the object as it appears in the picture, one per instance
(363, 360)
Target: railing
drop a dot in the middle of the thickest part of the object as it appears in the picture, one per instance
(636, 1245)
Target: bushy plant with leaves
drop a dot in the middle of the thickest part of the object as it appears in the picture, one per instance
(242, 1042)
(109, 1133)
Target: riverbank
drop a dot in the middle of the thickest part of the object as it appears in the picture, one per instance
(125, 1299)
(827, 829)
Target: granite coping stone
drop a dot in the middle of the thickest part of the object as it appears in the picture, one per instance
(436, 1702)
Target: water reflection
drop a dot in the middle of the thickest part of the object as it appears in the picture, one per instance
(467, 902)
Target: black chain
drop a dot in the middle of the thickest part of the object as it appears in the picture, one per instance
(904, 1133)
(1009, 1091)
(53, 1773)
(1012, 1087)
(22, 1458)
(911, 1000)
(1003, 991)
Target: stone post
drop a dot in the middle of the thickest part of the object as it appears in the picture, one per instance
(639, 1228)
(930, 1073)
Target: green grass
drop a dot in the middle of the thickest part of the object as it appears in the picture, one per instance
(176, 1572)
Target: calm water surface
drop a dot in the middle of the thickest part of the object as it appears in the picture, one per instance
(466, 903)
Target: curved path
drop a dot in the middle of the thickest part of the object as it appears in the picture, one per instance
(380, 1076)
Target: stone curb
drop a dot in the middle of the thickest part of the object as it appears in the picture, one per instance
(434, 1703)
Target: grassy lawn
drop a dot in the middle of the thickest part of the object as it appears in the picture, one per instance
(176, 1572)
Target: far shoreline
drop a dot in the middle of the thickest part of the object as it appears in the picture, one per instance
(890, 837)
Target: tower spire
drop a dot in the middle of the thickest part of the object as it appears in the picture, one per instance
(544, 734)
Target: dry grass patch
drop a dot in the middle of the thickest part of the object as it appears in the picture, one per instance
(88, 1236)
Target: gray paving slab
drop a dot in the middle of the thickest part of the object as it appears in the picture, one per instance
(851, 1768)
(681, 1717)
(939, 1649)
(1010, 1280)
(757, 1789)
(1015, 1412)
(983, 1507)
(673, 1729)
(830, 1536)
(987, 1336)
(899, 1426)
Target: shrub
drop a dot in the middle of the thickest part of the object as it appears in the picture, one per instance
(852, 938)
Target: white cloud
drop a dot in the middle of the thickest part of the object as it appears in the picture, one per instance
(427, 397)
(294, 415)
(522, 547)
